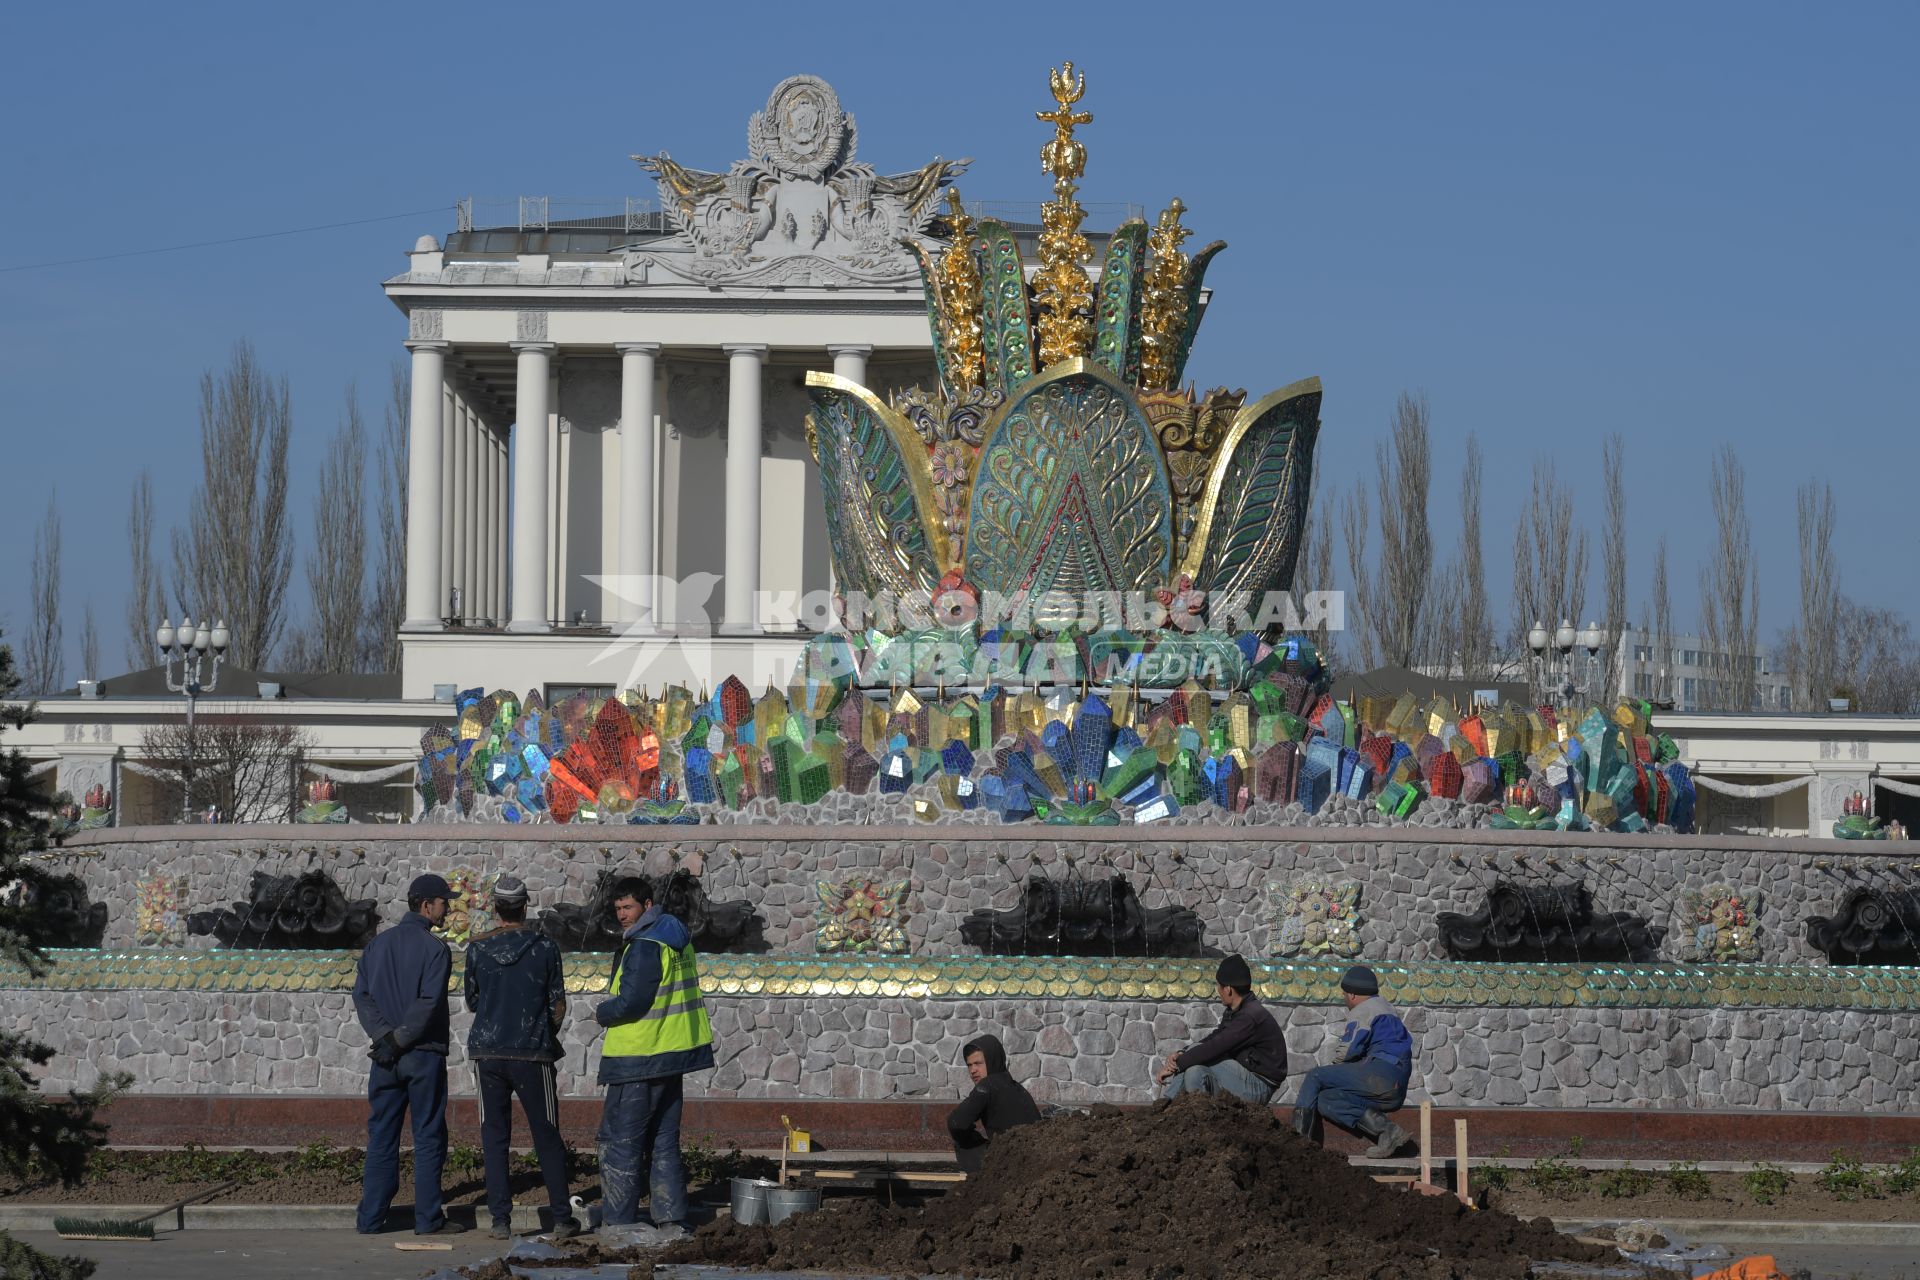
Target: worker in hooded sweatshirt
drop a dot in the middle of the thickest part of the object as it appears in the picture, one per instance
(998, 1103)
(1369, 1080)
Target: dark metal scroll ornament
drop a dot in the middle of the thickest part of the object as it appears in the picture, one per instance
(1077, 917)
(715, 926)
(57, 912)
(307, 912)
(1870, 926)
(1546, 922)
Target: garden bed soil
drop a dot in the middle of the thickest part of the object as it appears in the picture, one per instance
(1726, 1199)
(1201, 1186)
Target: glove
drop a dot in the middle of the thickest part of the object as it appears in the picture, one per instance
(385, 1051)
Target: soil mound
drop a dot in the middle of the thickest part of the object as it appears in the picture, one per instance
(1199, 1187)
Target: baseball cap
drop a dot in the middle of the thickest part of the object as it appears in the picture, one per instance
(430, 886)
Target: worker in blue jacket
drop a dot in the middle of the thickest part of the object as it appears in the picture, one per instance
(1369, 1080)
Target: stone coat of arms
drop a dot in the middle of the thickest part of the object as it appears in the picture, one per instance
(800, 209)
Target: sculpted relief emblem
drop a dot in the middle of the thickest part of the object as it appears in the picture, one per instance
(800, 209)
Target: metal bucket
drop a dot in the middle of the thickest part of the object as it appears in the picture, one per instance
(784, 1202)
(750, 1201)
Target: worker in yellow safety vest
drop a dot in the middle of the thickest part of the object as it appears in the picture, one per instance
(657, 1031)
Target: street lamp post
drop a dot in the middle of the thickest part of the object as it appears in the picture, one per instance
(1563, 638)
(192, 647)
(1537, 642)
(1591, 638)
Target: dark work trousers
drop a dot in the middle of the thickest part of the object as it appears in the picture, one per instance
(417, 1083)
(501, 1080)
(640, 1130)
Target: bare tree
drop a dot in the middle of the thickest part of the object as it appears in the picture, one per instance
(1662, 627)
(1472, 620)
(1613, 557)
(386, 610)
(146, 600)
(334, 638)
(246, 767)
(1810, 655)
(1357, 530)
(1315, 572)
(1730, 591)
(1406, 540)
(235, 554)
(1549, 559)
(89, 645)
(43, 660)
(1876, 659)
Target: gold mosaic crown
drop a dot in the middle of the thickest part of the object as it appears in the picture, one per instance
(1058, 451)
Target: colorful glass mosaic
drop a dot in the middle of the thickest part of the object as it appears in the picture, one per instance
(470, 910)
(1722, 927)
(861, 916)
(160, 911)
(1316, 918)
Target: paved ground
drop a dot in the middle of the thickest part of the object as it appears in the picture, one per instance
(1840, 1262)
(339, 1255)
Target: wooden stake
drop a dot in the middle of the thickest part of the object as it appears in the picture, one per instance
(423, 1246)
(1460, 1160)
(1426, 1142)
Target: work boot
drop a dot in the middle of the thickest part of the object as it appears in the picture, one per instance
(500, 1230)
(1387, 1136)
(565, 1229)
(1306, 1123)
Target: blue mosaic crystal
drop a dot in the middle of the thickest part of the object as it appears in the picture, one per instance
(1058, 742)
(1316, 781)
(699, 776)
(1159, 808)
(1092, 734)
(1359, 783)
(955, 759)
(896, 773)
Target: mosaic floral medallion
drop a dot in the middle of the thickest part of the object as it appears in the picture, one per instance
(1315, 918)
(1721, 928)
(160, 912)
(862, 916)
(471, 911)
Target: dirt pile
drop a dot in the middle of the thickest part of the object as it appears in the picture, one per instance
(1201, 1187)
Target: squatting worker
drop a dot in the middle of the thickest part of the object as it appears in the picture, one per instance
(998, 1102)
(400, 996)
(1370, 1078)
(1246, 1055)
(657, 1031)
(515, 992)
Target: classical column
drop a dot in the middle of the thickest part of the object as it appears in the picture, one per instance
(637, 599)
(530, 488)
(743, 484)
(491, 512)
(470, 594)
(850, 361)
(456, 515)
(425, 465)
(449, 498)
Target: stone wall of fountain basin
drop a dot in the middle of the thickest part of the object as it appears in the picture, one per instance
(1781, 1031)
(1232, 877)
(307, 1044)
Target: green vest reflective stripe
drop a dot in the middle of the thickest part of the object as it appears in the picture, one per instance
(676, 1023)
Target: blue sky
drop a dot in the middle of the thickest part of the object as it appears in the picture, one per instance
(1688, 223)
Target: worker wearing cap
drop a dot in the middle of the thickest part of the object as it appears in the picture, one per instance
(400, 996)
(1246, 1055)
(514, 990)
(1370, 1078)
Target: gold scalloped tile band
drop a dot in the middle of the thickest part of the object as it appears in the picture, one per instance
(1429, 984)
